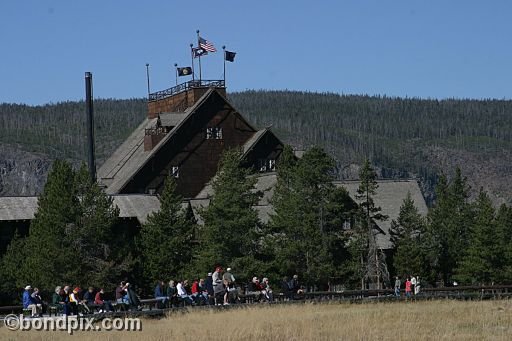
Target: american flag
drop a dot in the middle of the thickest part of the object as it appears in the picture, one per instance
(206, 45)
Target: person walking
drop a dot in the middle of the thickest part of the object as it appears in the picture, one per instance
(397, 286)
(408, 285)
(229, 282)
(417, 287)
(413, 284)
(218, 286)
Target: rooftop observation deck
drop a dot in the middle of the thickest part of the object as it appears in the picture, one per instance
(183, 87)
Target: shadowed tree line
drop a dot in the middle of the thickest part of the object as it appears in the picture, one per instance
(73, 238)
(460, 240)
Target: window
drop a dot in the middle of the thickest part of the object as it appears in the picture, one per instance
(272, 165)
(347, 225)
(266, 165)
(214, 133)
(175, 171)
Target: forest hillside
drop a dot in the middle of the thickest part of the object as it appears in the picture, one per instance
(403, 137)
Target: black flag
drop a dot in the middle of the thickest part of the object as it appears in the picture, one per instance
(184, 71)
(230, 56)
(198, 52)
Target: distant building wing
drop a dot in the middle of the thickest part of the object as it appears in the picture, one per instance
(390, 196)
(130, 206)
(17, 208)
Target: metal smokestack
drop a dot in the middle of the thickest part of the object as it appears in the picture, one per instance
(90, 125)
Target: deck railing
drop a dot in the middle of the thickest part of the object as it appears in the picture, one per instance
(155, 131)
(186, 86)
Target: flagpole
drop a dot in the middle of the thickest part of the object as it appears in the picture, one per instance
(192, 57)
(224, 49)
(147, 76)
(176, 72)
(198, 46)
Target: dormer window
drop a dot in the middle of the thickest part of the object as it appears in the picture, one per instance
(214, 133)
(266, 165)
(347, 225)
(271, 165)
(175, 171)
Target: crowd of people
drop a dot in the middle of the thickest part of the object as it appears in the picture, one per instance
(220, 288)
(412, 286)
(217, 288)
(67, 301)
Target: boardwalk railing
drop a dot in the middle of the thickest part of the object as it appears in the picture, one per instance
(458, 292)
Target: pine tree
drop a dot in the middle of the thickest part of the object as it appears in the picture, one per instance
(71, 239)
(436, 245)
(504, 241)
(365, 250)
(407, 236)
(482, 259)
(448, 226)
(99, 256)
(231, 235)
(49, 254)
(10, 265)
(166, 240)
(338, 213)
(285, 224)
(307, 223)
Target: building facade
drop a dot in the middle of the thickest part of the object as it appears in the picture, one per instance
(186, 130)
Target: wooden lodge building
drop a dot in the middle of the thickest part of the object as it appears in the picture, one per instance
(186, 130)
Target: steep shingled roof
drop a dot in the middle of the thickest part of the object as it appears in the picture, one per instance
(266, 183)
(390, 196)
(253, 141)
(172, 119)
(130, 157)
(17, 208)
(130, 206)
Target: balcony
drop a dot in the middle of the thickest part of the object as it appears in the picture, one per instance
(194, 84)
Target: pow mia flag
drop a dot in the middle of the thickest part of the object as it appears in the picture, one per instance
(199, 52)
(184, 71)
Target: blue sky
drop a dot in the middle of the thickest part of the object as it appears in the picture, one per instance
(434, 49)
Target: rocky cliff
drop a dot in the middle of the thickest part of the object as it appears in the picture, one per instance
(22, 173)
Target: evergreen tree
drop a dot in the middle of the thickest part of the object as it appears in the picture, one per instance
(368, 259)
(482, 260)
(50, 258)
(504, 241)
(99, 256)
(307, 224)
(338, 217)
(166, 240)
(10, 266)
(448, 228)
(71, 239)
(407, 236)
(231, 235)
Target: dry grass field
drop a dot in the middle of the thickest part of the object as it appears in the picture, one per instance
(432, 320)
